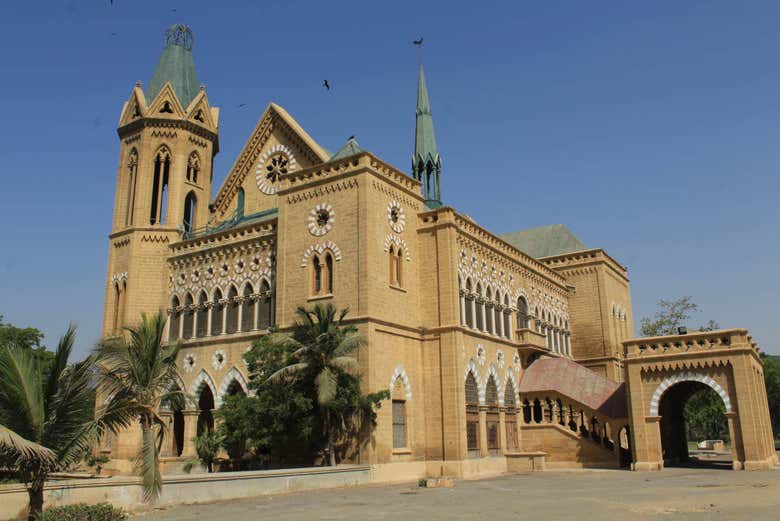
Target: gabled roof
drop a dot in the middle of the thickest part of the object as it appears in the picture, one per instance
(545, 241)
(349, 149)
(577, 382)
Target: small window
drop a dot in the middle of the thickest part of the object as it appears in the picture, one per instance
(399, 424)
(317, 275)
(329, 267)
(166, 108)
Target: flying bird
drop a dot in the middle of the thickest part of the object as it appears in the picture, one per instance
(418, 42)
(350, 138)
(326, 85)
(242, 105)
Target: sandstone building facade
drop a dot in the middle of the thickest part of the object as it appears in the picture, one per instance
(501, 353)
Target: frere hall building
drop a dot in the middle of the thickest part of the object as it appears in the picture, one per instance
(502, 353)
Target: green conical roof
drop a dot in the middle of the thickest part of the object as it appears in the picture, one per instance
(176, 65)
(349, 149)
(425, 148)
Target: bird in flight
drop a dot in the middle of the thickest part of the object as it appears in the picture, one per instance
(418, 42)
(350, 138)
(242, 105)
(326, 85)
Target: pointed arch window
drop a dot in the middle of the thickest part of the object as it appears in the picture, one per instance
(202, 316)
(461, 301)
(395, 266)
(399, 414)
(248, 309)
(522, 313)
(265, 306)
(190, 203)
(472, 416)
(507, 318)
(489, 316)
(492, 418)
(217, 313)
(231, 325)
(480, 308)
(469, 304)
(316, 267)
(117, 297)
(189, 317)
(193, 168)
(497, 314)
(329, 272)
(132, 181)
(175, 319)
(162, 167)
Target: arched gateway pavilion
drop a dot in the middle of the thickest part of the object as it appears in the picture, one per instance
(517, 347)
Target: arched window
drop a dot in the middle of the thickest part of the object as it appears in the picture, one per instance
(489, 316)
(510, 416)
(480, 308)
(469, 304)
(507, 318)
(492, 417)
(248, 309)
(217, 312)
(472, 416)
(205, 408)
(265, 306)
(162, 167)
(538, 320)
(399, 268)
(316, 267)
(395, 266)
(329, 272)
(231, 325)
(240, 203)
(173, 326)
(556, 336)
(117, 297)
(132, 181)
(548, 326)
(189, 317)
(188, 220)
(522, 313)
(498, 312)
(399, 414)
(202, 316)
(193, 168)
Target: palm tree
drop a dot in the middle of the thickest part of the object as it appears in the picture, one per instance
(322, 346)
(48, 421)
(141, 371)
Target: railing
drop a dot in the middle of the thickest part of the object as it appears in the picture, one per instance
(530, 338)
(233, 220)
(696, 341)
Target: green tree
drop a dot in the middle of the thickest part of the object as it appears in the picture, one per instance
(772, 381)
(322, 346)
(47, 422)
(141, 371)
(28, 338)
(704, 414)
(207, 447)
(670, 315)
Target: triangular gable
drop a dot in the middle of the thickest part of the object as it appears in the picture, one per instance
(199, 111)
(274, 119)
(167, 100)
(134, 108)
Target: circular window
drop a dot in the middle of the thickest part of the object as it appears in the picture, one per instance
(219, 359)
(189, 363)
(272, 166)
(321, 219)
(396, 217)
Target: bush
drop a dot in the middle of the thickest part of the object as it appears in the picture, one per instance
(83, 512)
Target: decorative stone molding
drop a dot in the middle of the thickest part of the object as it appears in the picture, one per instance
(399, 243)
(481, 354)
(321, 219)
(492, 371)
(510, 381)
(218, 359)
(116, 278)
(232, 375)
(396, 217)
(687, 376)
(500, 359)
(400, 372)
(203, 379)
(321, 248)
(190, 362)
(517, 363)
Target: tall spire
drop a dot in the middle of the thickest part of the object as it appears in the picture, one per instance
(176, 65)
(426, 163)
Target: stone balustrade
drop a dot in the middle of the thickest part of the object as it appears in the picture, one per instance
(690, 342)
(529, 338)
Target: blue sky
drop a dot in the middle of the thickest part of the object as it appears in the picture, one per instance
(650, 129)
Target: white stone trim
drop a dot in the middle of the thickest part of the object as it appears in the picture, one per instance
(400, 372)
(316, 229)
(687, 376)
(320, 248)
(215, 362)
(260, 173)
(471, 367)
(233, 374)
(399, 243)
(492, 371)
(202, 379)
(399, 225)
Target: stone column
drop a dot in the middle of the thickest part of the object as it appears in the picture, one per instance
(190, 431)
(483, 448)
(502, 430)
(166, 451)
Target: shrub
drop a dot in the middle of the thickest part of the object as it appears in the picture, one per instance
(83, 512)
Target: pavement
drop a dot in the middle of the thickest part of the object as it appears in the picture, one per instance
(706, 493)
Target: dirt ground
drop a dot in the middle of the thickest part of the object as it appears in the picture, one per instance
(599, 495)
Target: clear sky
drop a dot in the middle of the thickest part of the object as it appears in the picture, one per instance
(650, 129)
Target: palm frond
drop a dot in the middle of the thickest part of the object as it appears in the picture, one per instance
(347, 364)
(326, 384)
(288, 373)
(149, 465)
(21, 401)
(25, 451)
(61, 356)
(349, 344)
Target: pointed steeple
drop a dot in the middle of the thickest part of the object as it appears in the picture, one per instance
(176, 65)
(426, 163)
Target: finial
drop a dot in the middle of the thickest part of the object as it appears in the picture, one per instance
(138, 83)
(202, 87)
(179, 34)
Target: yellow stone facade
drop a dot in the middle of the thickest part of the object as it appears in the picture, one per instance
(439, 298)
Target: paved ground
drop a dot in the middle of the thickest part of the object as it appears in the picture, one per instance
(610, 495)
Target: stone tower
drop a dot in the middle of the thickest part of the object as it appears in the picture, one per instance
(168, 138)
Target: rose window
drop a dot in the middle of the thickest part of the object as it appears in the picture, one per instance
(396, 217)
(321, 219)
(219, 359)
(272, 166)
(189, 363)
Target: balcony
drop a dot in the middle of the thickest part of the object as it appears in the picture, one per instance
(529, 338)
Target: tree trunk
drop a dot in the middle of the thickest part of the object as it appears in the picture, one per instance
(331, 450)
(35, 493)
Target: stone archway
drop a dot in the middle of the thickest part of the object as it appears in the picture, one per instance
(661, 373)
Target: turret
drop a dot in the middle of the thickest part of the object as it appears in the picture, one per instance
(426, 163)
